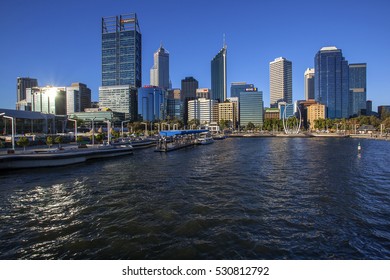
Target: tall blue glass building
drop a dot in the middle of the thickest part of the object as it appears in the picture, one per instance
(152, 103)
(121, 51)
(219, 76)
(331, 86)
(358, 88)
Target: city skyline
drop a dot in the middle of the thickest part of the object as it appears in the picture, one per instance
(53, 57)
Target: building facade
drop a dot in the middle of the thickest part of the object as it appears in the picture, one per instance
(309, 83)
(23, 101)
(280, 71)
(331, 86)
(358, 89)
(204, 110)
(251, 108)
(175, 106)
(122, 99)
(203, 93)
(121, 51)
(49, 100)
(219, 76)
(188, 92)
(78, 98)
(227, 111)
(315, 112)
(152, 103)
(159, 74)
(237, 87)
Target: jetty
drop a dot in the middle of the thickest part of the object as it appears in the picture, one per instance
(171, 140)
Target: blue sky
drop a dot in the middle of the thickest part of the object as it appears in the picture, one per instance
(59, 42)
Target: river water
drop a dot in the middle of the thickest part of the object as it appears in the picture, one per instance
(263, 198)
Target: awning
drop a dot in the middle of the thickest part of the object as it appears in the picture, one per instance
(167, 133)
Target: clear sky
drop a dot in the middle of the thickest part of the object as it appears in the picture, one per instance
(59, 42)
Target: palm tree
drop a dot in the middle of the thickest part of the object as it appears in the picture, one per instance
(49, 141)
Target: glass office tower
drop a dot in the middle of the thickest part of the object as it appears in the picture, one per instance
(331, 82)
(218, 76)
(121, 51)
(251, 108)
(357, 87)
(238, 87)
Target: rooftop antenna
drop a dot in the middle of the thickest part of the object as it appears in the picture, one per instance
(224, 41)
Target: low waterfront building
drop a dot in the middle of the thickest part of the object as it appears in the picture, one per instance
(271, 113)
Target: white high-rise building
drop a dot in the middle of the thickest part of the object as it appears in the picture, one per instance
(159, 74)
(204, 110)
(309, 83)
(280, 76)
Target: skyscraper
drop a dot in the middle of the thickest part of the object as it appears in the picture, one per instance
(357, 88)
(23, 102)
(121, 51)
(188, 92)
(219, 76)
(280, 75)
(309, 83)
(159, 74)
(331, 86)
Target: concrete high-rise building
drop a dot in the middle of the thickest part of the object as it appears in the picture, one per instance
(251, 108)
(23, 101)
(358, 88)
(159, 74)
(78, 98)
(219, 76)
(152, 103)
(280, 75)
(309, 83)
(331, 86)
(237, 87)
(121, 51)
(122, 99)
(204, 110)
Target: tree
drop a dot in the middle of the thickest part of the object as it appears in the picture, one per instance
(250, 126)
(1, 144)
(49, 141)
(79, 139)
(59, 141)
(194, 122)
(23, 141)
(99, 137)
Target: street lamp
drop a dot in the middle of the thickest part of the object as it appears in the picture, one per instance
(108, 131)
(75, 129)
(12, 127)
(123, 122)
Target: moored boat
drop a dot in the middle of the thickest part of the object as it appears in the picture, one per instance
(53, 157)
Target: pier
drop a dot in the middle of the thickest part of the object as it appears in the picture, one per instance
(171, 140)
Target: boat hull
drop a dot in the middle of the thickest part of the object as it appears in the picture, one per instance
(60, 158)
